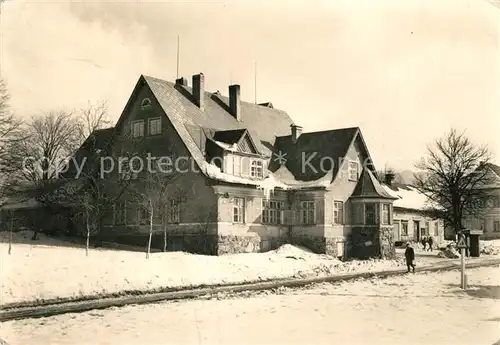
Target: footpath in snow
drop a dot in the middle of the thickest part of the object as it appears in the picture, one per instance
(53, 269)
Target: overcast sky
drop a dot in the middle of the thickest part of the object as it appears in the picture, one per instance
(404, 71)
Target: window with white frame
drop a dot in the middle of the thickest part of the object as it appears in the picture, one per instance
(496, 226)
(272, 211)
(120, 213)
(137, 128)
(353, 170)
(256, 168)
(173, 211)
(370, 213)
(338, 212)
(155, 126)
(404, 228)
(436, 228)
(307, 212)
(238, 210)
(386, 214)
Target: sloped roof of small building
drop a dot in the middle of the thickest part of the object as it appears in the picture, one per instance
(407, 197)
(369, 187)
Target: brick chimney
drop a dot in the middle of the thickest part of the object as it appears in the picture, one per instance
(234, 101)
(389, 177)
(199, 90)
(296, 132)
(181, 81)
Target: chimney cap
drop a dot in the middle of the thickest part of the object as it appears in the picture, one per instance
(181, 81)
(293, 125)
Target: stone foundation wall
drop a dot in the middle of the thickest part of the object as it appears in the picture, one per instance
(192, 243)
(386, 243)
(331, 247)
(319, 244)
(371, 242)
(364, 243)
(313, 243)
(268, 243)
(234, 244)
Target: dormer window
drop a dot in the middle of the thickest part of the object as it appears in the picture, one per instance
(257, 168)
(146, 103)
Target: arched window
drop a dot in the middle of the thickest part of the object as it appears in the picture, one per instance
(146, 103)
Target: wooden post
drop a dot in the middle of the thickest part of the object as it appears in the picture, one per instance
(462, 270)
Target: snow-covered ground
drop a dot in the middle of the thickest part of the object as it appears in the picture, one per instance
(40, 272)
(405, 310)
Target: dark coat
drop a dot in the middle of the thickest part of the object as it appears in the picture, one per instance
(410, 254)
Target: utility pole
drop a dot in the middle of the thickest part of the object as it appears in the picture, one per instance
(255, 82)
(462, 245)
(178, 45)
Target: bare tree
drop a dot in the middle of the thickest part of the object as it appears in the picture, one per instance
(53, 137)
(453, 175)
(92, 118)
(155, 191)
(93, 188)
(9, 134)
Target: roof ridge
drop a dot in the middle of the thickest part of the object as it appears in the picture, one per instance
(214, 93)
(323, 131)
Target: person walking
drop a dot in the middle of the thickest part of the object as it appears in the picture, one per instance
(431, 242)
(410, 257)
(424, 242)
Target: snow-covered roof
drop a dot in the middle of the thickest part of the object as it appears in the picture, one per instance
(281, 178)
(408, 197)
(228, 147)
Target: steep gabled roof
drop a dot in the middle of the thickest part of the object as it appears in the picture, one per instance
(267, 104)
(369, 187)
(495, 168)
(230, 136)
(99, 140)
(190, 122)
(237, 137)
(332, 144)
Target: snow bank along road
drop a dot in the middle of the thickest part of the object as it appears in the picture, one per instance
(422, 308)
(43, 310)
(35, 272)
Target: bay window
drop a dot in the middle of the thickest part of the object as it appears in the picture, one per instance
(307, 212)
(272, 212)
(370, 213)
(386, 214)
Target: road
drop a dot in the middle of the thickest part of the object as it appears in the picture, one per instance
(412, 309)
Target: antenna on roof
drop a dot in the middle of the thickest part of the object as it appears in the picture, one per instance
(255, 82)
(178, 43)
